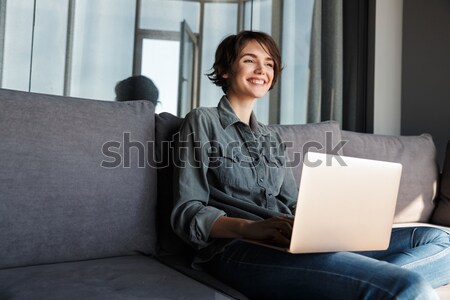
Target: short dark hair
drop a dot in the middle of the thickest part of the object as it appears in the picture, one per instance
(228, 51)
(137, 88)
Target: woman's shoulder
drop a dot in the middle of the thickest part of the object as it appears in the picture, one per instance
(202, 114)
(201, 118)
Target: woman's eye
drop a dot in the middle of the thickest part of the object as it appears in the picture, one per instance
(269, 65)
(248, 61)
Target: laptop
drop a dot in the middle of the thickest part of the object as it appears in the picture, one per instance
(344, 204)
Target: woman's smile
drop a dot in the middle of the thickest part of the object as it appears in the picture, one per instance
(257, 81)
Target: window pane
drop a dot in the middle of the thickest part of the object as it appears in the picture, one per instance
(220, 21)
(167, 15)
(103, 47)
(296, 37)
(49, 42)
(160, 62)
(248, 15)
(17, 51)
(261, 19)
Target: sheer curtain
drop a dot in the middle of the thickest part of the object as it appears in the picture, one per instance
(326, 62)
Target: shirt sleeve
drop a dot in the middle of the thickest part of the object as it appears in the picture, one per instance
(192, 218)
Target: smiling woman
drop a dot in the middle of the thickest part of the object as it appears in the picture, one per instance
(238, 192)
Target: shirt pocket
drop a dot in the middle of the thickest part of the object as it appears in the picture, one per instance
(235, 171)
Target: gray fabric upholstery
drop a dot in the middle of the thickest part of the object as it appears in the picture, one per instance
(317, 137)
(441, 214)
(419, 179)
(183, 265)
(166, 125)
(121, 278)
(57, 202)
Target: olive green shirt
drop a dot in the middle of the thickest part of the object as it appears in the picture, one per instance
(226, 167)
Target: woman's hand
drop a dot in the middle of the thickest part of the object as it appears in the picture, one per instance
(275, 229)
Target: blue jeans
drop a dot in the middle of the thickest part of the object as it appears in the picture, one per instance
(418, 260)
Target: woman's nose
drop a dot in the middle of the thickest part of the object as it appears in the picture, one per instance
(260, 69)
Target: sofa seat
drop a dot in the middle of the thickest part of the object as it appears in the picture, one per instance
(119, 278)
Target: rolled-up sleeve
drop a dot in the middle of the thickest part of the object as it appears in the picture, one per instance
(192, 218)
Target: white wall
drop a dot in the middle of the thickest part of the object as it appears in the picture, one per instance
(388, 66)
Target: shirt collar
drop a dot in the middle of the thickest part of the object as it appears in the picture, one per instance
(228, 117)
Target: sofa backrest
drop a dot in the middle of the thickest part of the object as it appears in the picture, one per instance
(166, 128)
(416, 153)
(420, 172)
(323, 137)
(75, 182)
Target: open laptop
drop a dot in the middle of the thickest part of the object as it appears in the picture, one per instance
(344, 204)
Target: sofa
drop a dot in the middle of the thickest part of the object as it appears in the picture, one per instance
(86, 195)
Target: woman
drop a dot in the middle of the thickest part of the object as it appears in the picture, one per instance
(231, 183)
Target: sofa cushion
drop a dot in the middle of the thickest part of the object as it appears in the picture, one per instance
(183, 265)
(441, 215)
(120, 278)
(323, 137)
(67, 191)
(417, 154)
(166, 126)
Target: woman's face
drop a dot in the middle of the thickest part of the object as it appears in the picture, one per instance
(252, 73)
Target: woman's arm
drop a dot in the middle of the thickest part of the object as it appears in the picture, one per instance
(277, 229)
(192, 218)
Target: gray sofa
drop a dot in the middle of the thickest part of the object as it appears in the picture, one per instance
(85, 197)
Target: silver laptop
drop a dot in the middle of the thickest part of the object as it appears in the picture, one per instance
(344, 204)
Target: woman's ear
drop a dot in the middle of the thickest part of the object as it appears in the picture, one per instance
(225, 75)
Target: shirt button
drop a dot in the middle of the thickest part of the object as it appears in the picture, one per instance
(261, 180)
(270, 195)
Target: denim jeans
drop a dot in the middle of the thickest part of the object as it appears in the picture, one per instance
(418, 260)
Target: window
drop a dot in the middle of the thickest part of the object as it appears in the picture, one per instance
(82, 48)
